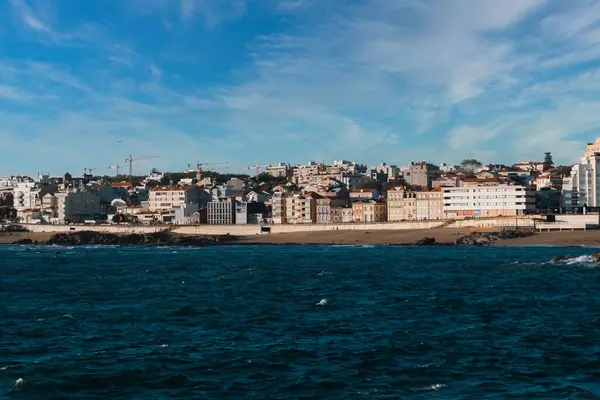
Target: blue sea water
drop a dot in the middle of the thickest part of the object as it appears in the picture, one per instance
(244, 323)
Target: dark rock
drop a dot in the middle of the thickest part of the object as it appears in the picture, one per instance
(24, 241)
(596, 256)
(427, 241)
(558, 258)
(486, 238)
(134, 239)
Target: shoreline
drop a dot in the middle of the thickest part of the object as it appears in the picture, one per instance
(443, 237)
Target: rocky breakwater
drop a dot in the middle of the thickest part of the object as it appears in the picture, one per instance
(154, 239)
(486, 238)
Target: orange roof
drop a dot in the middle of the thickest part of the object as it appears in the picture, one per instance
(362, 191)
(122, 184)
(437, 189)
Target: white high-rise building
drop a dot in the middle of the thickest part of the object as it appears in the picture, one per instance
(582, 189)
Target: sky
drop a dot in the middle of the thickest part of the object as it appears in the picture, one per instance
(84, 84)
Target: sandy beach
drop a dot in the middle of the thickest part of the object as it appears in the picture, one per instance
(396, 237)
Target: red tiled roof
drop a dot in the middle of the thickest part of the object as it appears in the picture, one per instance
(171, 188)
(122, 184)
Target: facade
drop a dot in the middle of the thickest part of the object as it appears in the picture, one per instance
(241, 212)
(352, 180)
(429, 204)
(222, 211)
(278, 207)
(325, 206)
(374, 211)
(582, 189)
(488, 201)
(185, 214)
(255, 197)
(421, 174)
(26, 196)
(278, 171)
(164, 198)
(79, 207)
(364, 194)
(301, 209)
(445, 181)
(401, 205)
(341, 214)
(530, 166)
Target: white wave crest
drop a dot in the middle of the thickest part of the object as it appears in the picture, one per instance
(323, 302)
(581, 260)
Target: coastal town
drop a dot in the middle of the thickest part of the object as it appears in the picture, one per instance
(342, 192)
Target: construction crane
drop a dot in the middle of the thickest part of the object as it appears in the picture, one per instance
(130, 161)
(199, 169)
(257, 166)
(117, 167)
(89, 170)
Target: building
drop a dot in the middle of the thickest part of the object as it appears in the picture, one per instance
(26, 196)
(381, 170)
(278, 207)
(584, 183)
(445, 181)
(324, 207)
(429, 204)
(278, 171)
(78, 207)
(185, 214)
(530, 166)
(401, 205)
(364, 194)
(352, 180)
(258, 197)
(221, 211)
(341, 214)
(241, 212)
(164, 198)
(369, 211)
(488, 201)
(301, 209)
(421, 174)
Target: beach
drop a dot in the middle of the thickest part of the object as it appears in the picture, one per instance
(381, 237)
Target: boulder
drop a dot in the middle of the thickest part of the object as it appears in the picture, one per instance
(596, 256)
(558, 258)
(426, 241)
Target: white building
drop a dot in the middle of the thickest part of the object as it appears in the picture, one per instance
(488, 201)
(164, 198)
(278, 171)
(221, 211)
(8, 182)
(26, 196)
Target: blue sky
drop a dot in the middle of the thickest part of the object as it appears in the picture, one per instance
(295, 80)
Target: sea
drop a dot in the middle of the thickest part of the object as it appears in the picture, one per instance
(298, 322)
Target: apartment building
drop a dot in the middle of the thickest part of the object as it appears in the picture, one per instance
(369, 211)
(445, 181)
(341, 214)
(422, 174)
(221, 211)
(401, 205)
(488, 201)
(582, 189)
(301, 209)
(364, 194)
(26, 196)
(278, 207)
(278, 171)
(529, 166)
(77, 207)
(429, 204)
(164, 198)
(352, 180)
(324, 207)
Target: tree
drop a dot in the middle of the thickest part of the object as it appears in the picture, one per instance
(548, 162)
(469, 164)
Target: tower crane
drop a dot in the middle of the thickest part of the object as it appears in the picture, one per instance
(117, 167)
(130, 161)
(89, 170)
(199, 169)
(257, 166)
